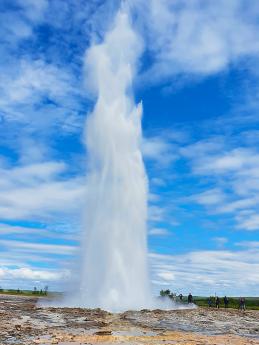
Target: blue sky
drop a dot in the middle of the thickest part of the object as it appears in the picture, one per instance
(199, 84)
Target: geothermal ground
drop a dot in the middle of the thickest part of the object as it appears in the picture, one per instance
(23, 322)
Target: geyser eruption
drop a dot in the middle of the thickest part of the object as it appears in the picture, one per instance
(114, 253)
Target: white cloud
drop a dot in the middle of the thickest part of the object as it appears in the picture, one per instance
(19, 20)
(220, 241)
(248, 244)
(33, 247)
(232, 168)
(158, 149)
(156, 213)
(197, 37)
(240, 160)
(36, 79)
(249, 222)
(28, 83)
(39, 190)
(158, 232)
(207, 272)
(34, 10)
(54, 231)
(38, 95)
(210, 197)
(167, 276)
(14, 28)
(156, 181)
(31, 274)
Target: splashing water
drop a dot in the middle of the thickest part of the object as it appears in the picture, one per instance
(114, 259)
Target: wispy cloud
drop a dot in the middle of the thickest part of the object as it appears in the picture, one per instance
(27, 274)
(159, 232)
(39, 190)
(203, 29)
(158, 149)
(230, 165)
(37, 247)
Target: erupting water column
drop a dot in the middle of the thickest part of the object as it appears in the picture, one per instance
(114, 253)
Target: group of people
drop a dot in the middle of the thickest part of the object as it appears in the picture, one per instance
(242, 304)
(215, 301)
(189, 298)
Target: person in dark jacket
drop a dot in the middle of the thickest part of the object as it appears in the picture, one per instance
(226, 301)
(217, 302)
(242, 304)
(190, 299)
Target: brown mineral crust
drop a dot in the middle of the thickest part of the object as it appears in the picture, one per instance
(179, 338)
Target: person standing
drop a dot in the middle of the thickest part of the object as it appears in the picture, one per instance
(226, 301)
(190, 298)
(242, 304)
(209, 302)
(217, 302)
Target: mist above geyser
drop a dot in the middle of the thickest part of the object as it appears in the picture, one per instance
(113, 272)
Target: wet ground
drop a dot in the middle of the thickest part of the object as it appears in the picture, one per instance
(22, 322)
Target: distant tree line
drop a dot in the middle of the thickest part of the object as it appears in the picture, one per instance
(40, 292)
(168, 293)
(35, 291)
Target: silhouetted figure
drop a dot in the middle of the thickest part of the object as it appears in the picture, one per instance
(181, 297)
(242, 304)
(217, 302)
(226, 301)
(190, 299)
(210, 302)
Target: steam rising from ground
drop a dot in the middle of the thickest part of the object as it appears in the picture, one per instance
(114, 253)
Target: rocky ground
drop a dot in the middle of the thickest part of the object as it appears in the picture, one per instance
(24, 323)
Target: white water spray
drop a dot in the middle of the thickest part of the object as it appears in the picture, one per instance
(114, 259)
(113, 272)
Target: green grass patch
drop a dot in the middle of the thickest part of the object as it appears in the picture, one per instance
(32, 293)
(250, 302)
